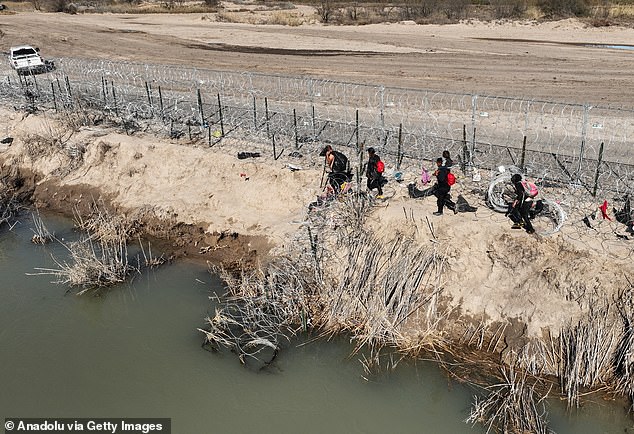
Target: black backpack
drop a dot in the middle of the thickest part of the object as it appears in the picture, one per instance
(340, 164)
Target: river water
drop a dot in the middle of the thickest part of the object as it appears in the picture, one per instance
(135, 352)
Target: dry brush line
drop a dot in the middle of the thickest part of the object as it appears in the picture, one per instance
(10, 204)
(92, 265)
(103, 225)
(100, 258)
(624, 354)
(41, 234)
(369, 289)
(261, 310)
(511, 406)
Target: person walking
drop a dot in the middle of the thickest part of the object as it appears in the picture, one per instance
(374, 173)
(446, 159)
(442, 188)
(521, 206)
(338, 166)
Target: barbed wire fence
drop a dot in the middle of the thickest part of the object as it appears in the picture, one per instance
(583, 148)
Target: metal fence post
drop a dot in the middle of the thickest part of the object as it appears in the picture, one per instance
(584, 131)
(161, 103)
(382, 91)
(54, 97)
(222, 122)
(266, 117)
(295, 126)
(399, 156)
(255, 114)
(598, 171)
(474, 105)
(200, 109)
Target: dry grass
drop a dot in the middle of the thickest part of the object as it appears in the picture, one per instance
(368, 290)
(511, 406)
(100, 258)
(251, 17)
(41, 234)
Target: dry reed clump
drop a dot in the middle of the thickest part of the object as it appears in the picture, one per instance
(624, 353)
(260, 311)
(100, 258)
(593, 353)
(103, 225)
(511, 406)
(92, 265)
(369, 289)
(10, 203)
(41, 234)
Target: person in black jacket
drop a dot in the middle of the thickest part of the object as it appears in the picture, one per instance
(521, 206)
(339, 167)
(442, 188)
(375, 178)
(446, 159)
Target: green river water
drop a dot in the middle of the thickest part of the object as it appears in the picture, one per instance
(135, 352)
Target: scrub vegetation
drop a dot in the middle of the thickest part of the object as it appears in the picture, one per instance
(596, 12)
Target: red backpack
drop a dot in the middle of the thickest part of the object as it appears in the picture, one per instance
(380, 167)
(451, 179)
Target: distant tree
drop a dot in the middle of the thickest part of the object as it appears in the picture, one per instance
(563, 8)
(326, 9)
(509, 8)
(58, 5)
(454, 9)
(212, 2)
(37, 4)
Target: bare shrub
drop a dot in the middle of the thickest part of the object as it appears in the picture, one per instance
(9, 206)
(563, 8)
(326, 10)
(454, 9)
(509, 8)
(416, 9)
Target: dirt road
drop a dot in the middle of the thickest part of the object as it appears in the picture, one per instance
(549, 61)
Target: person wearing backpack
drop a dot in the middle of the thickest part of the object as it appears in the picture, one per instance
(520, 209)
(374, 172)
(443, 187)
(339, 167)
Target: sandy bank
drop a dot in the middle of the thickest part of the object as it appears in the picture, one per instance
(193, 196)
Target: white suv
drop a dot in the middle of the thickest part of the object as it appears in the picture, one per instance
(26, 60)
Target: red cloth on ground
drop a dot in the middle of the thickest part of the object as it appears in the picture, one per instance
(604, 210)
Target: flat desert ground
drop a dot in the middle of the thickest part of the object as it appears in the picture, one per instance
(555, 61)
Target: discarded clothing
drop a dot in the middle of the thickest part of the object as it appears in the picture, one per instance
(244, 155)
(624, 215)
(604, 210)
(463, 206)
(415, 193)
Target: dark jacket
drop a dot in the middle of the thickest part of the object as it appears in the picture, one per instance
(371, 170)
(340, 163)
(441, 176)
(520, 193)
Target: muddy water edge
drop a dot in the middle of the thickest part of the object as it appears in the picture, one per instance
(135, 350)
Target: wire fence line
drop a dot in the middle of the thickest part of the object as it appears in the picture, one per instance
(590, 146)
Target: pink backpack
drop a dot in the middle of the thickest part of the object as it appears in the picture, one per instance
(425, 177)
